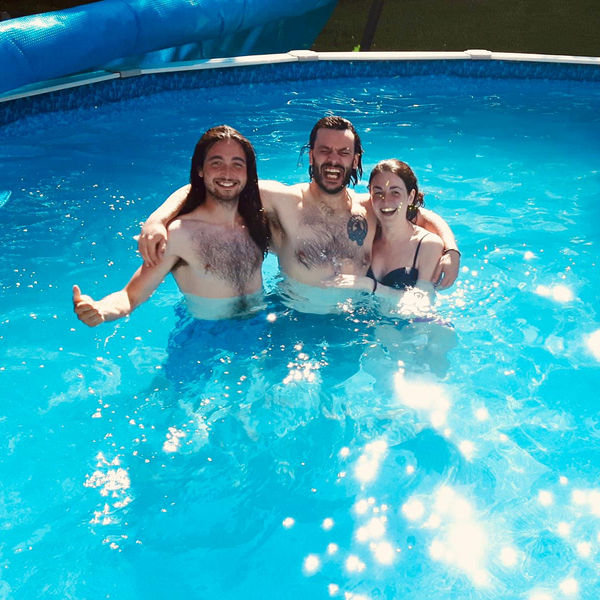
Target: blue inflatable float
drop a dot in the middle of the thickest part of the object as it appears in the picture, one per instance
(134, 33)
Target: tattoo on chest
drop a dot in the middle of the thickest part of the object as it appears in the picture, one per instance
(230, 256)
(331, 243)
(357, 229)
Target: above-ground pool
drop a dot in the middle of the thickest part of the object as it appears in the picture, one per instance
(346, 455)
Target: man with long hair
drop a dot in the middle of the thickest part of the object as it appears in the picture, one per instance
(216, 245)
(322, 228)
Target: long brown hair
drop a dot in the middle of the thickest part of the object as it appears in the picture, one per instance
(249, 205)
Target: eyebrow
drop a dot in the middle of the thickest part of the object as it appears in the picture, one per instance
(326, 147)
(219, 157)
(392, 187)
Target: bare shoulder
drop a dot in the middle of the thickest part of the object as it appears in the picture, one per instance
(362, 199)
(182, 226)
(360, 202)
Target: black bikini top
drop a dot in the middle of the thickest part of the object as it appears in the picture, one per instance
(401, 278)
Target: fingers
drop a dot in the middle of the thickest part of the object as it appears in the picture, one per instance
(88, 314)
(155, 249)
(448, 281)
(85, 309)
(146, 249)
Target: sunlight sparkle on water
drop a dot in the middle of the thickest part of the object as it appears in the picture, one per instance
(368, 463)
(374, 529)
(584, 549)
(569, 587)
(593, 343)
(354, 564)
(422, 396)
(288, 522)
(482, 414)
(559, 293)
(467, 448)
(508, 556)
(384, 553)
(545, 498)
(413, 510)
(311, 564)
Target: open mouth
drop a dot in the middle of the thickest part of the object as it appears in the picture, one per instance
(332, 173)
(227, 185)
(389, 210)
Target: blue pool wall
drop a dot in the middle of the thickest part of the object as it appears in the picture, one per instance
(293, 67)
(122, 33)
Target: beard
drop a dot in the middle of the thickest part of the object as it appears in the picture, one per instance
(223, 196)
(321, 181)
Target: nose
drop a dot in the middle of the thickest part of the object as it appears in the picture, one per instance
(227, 172)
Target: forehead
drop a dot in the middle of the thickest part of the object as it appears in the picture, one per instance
(334, 138)
(385, 179)
(227, 148)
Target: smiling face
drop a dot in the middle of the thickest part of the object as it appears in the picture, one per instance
(224, 171)
(332, 159)
(389, 196)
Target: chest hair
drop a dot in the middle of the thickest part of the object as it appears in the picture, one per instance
(326, 239)
(230, 255)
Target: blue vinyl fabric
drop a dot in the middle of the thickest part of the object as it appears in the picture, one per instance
(121, 33)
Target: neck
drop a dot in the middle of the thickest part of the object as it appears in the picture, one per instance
(341, 200)
(400, 229)
(223, 213)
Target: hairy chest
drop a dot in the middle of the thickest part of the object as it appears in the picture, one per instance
(325, 240)
(228, 254)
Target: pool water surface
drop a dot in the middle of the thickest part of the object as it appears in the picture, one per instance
(348, 455)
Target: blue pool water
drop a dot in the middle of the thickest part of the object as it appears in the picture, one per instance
(305, 455)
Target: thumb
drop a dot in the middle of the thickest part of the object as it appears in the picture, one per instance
(76, 293)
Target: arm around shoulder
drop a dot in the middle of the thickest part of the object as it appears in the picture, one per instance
(270, 193)
(433, 223)
(449, 264)
(153, 237)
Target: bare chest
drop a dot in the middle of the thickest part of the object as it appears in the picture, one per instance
(227, 254)
(332, 240)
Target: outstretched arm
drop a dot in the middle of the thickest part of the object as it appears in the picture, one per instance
(119, 304)
(447, 270)
(153, 238)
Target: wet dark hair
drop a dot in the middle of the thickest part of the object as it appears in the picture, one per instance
(339, 124)
(250, 205)
(402, 170)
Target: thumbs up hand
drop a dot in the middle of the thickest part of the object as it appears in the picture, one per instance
(86, 308)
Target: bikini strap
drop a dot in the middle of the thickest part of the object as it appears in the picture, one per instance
(417, 250)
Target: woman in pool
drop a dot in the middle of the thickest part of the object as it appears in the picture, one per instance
(404, 255)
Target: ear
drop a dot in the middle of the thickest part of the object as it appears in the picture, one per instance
(355, 161)
(201, 173)
(411, 197)
(310, 157)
